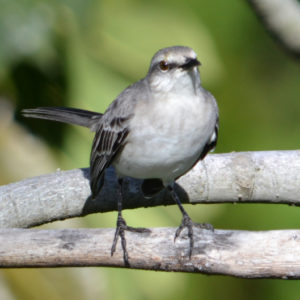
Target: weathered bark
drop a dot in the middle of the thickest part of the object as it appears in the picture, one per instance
(269, 254)
(270, 177)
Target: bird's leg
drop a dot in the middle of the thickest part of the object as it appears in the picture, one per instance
(187, 222)
(122, 226)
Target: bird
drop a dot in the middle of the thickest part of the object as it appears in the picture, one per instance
(156, 130)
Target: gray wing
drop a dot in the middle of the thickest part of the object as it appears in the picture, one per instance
(108, 141)
(111, 135)
(212, 142)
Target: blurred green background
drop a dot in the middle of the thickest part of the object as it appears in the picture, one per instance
(83, 53)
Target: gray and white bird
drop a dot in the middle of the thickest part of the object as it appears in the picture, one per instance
(157, 129)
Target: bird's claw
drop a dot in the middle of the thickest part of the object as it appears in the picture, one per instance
(188, 223)
(120, 232)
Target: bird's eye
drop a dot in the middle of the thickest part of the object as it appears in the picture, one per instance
(163, 65)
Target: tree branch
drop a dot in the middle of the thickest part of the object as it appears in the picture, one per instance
(282, 19)
(269, 177)
(274, 254)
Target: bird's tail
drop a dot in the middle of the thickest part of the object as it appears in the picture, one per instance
(65, 115)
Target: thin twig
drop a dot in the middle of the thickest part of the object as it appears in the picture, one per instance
(282, 19)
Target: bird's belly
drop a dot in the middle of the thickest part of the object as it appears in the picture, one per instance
(161, 151)
(166, 139)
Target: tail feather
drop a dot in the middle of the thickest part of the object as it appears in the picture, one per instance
(65, 115)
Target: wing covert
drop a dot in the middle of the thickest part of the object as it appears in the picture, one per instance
(211, 144)
(108, 140)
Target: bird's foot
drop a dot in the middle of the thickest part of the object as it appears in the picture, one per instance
(189, 224)
(120, 232)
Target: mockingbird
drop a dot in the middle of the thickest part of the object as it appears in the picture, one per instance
(157, 129)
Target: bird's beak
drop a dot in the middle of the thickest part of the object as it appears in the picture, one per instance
(190, 62)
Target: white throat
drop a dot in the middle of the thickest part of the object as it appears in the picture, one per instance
(180, 83)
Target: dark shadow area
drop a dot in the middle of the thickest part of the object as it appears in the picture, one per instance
(35, 87)
(132, 194)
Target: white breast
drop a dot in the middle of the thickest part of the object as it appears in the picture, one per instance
(166, 138)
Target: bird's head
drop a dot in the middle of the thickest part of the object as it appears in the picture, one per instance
(174, 69)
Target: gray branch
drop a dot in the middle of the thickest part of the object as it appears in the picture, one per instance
(274, 254)
(269, 177)
(282, 19)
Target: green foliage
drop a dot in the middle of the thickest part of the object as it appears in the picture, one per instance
(82, 54)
